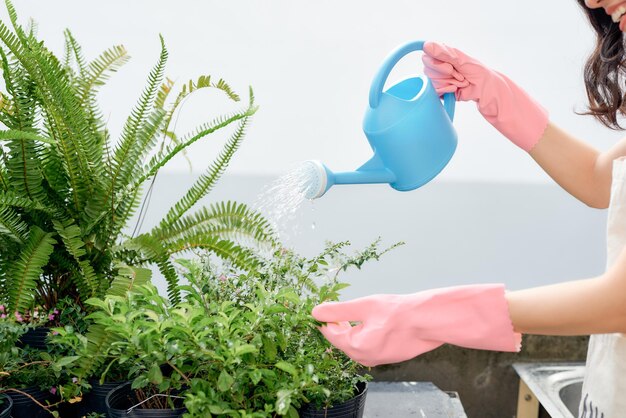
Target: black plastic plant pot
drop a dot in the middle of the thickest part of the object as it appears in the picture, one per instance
(6, 403)
(24, 406)
(94, 400)
(67, 409)
(35, 338)
(353, 408)
(122, 402)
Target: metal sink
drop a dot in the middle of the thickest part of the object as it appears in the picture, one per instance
(556, 387)
(570, 396)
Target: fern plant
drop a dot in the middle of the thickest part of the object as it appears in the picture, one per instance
(68, 191)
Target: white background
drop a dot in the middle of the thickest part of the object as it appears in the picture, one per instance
(311, 63)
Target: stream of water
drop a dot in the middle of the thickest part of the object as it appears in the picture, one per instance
(281, 200)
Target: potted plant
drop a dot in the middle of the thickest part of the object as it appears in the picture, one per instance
(238, 344)
(6, 404)
(340, 386)
(28, 376)
(68, 192)
(85, 393)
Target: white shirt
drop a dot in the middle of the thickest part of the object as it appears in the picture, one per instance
(604, 387)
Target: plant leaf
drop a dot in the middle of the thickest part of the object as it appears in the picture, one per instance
(224, 381)
(287, 367)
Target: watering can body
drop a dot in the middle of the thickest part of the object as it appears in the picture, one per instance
(409, 136)
(408, 128)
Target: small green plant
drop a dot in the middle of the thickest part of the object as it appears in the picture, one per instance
(238, 344)
(26, 368)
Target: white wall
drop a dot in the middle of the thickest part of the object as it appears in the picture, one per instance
(311, 63)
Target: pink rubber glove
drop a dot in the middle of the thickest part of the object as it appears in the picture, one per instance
(504, 104)
(395, 328)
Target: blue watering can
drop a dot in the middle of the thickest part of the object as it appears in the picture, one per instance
(408, 128)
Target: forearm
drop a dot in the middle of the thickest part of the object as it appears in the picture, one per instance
(583, 307)
(575, 166)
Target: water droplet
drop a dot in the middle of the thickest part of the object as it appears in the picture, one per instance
(280, 200)
(313, 225)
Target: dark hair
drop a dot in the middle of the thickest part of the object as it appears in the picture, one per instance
(604, 70)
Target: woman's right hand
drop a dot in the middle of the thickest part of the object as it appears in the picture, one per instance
(501, 102)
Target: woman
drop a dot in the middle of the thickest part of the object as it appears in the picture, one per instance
(394, 328)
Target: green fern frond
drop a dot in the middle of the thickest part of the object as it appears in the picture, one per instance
(10, 39)
(126, 207)
(99, 69)
(253, 108)
(58, 103)
(70, 233)
(163, 93)
(191, 86)
(54, 174)
(153, 249)
(22, 162)
(62, 260)
(226, 220)
(25, 135)
(127, 279)
(67, 53)
(147, 137)
(10, 199)
(33, 28)
(25, 271)
(19, 109)
(13, 18)
(12, 225)
(239, 256)
(222, 85)
(75, 52)
(205, 183)
(162, 158)
(7, 111)
(204, 81)
(91, 76)
(66, 118)
(4, 175)
(128, 148)
(24, 169)
(68, 122)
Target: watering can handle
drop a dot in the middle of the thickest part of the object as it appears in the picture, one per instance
(378, 83)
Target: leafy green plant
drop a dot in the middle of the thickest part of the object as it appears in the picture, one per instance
(287, 287)
(67, 191)
(239, 343)
(24, 367)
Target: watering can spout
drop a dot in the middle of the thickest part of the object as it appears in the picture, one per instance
(320, 178)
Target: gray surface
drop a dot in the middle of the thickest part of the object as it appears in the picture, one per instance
(554, 385)
(411, 399)
(521, 235)
(570, 395)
